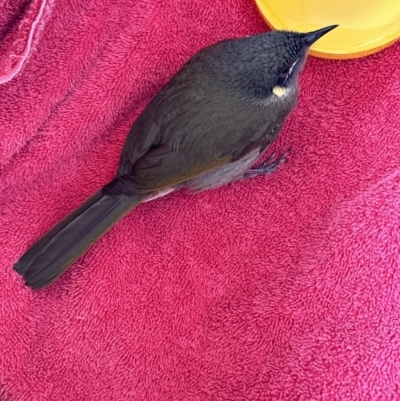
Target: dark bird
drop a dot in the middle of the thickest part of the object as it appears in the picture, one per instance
(205, 128)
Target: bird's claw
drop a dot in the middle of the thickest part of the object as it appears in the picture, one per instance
(268, 166)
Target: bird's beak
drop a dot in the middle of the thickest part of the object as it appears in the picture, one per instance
(311, 37)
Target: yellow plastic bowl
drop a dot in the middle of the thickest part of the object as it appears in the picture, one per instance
(365, 26)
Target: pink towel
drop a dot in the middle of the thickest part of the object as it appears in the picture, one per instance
(284, 287)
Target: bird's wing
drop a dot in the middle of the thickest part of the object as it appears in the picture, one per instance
(192, 127)
(200, 137)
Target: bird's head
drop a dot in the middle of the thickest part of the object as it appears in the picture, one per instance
(267, 63)
(289, 54)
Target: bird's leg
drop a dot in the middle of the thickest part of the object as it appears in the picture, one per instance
(267, 167)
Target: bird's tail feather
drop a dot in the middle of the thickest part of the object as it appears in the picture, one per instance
(57, 249)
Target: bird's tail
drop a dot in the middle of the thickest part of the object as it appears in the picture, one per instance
(57, 249)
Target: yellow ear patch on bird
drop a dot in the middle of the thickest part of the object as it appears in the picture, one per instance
(279, 90)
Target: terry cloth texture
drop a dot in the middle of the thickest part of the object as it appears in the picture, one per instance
(284, 287)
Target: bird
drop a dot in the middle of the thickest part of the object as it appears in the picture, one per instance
(205, 128)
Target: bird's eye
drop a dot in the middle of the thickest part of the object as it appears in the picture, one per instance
(285, 73)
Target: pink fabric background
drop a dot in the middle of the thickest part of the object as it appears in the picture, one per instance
(285, 287)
